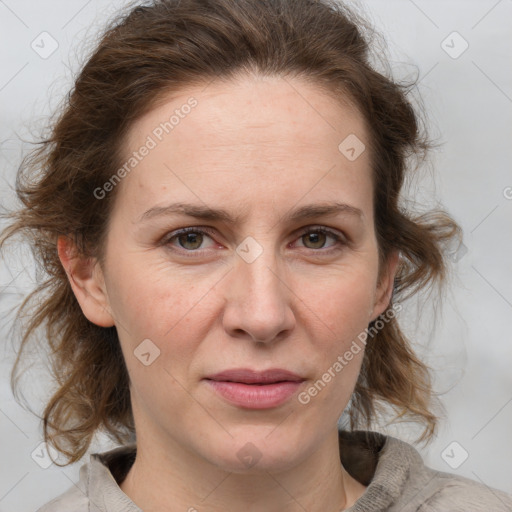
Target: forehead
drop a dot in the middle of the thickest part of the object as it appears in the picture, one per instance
(267, 105)
(274, 134)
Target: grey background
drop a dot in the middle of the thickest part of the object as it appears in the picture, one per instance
(469, 101)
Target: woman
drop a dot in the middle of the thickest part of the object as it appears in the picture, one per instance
(219, 217)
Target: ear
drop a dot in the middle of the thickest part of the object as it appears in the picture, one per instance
(87, 281)
(384, 289)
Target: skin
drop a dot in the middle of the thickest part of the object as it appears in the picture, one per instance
(259, 147)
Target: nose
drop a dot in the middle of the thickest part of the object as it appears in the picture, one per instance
(258, 298)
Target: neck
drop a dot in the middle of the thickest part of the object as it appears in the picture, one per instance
(174, 479)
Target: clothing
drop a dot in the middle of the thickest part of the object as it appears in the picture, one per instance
(393, 471)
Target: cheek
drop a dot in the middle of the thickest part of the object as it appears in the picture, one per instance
(174, 310)
(162, 320)
(344, 306)
(150, 298)
(342, 303)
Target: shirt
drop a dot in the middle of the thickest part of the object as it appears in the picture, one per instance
(393, 471)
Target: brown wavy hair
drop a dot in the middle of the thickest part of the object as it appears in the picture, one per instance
(167, 45)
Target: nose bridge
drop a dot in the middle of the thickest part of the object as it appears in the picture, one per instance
(258, 299)
(257, 269)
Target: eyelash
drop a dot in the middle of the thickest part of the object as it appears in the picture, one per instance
(340, 240)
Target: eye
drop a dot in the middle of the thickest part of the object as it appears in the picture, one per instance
(192, 239)
(189, 239)
(316, 238)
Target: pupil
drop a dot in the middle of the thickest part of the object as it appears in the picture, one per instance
(316, 239)
(190, 238)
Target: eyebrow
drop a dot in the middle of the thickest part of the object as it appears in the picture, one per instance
(219, 214)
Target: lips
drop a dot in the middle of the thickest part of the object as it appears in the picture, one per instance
(248, 376)
(251, 389)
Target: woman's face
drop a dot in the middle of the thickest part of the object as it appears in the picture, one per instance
(254, 164)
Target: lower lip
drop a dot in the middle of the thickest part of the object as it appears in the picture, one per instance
(254, 396)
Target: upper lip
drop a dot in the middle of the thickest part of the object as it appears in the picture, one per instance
(248, 376)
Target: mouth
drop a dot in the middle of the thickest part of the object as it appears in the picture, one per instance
(255, 377)
(253, 383)
(249, 389)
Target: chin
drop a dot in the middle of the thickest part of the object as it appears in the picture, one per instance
(254, 450)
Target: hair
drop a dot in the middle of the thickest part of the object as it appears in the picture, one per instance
(167, 45)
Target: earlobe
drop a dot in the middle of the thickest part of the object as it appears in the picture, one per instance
(87, 281)
(384, 289)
